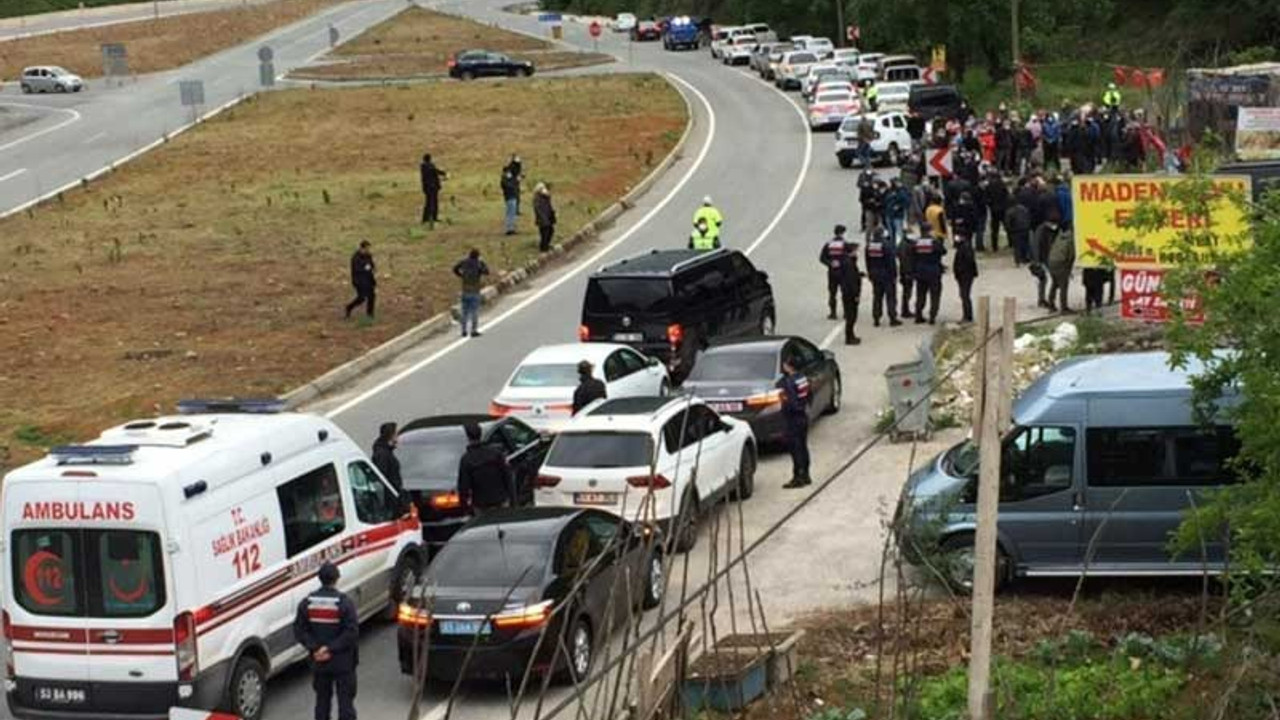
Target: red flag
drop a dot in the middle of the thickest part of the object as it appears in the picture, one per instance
(1138, 78)
(1026, 79)
(1120, 74)
(1155, 77)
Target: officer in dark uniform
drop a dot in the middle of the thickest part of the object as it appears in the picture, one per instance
(328, 627)
(927, 259)
(795, 408)
(881, 254)
(867, 194)
(836, 254)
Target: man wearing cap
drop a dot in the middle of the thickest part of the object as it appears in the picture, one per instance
(590, 388)
(711, 218)
(328, 627)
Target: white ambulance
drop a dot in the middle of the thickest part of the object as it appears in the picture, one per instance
(162, 564)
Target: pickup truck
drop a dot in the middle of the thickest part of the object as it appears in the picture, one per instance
(682, 34)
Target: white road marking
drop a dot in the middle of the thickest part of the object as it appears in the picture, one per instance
(75, 117)
(95, 138)
(831, 337)
(12, 175)
(804, 173)
(590, 262)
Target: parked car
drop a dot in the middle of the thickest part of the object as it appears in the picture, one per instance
(738, 51)
(930, 101)
(1105, 458)
(903, 73)
(886, 62)
(719, 36)
(820, 72)
(645, 31)
(890, 145)
(794, 66)
(822, 47)
(540, 391)
(50, 78)
(761, 54)
(624, 22)
(514, 576)
(473, 64)
(662, 460)
(669, 304)
(769, 68)
(829, 109)
(681, 33)
(871, 61)
(429, 451)
(893, 96)
(846, 57)
(742, 379)
(763, 32)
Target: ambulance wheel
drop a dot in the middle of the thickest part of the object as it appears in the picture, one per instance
(403, 580)
(247, 691)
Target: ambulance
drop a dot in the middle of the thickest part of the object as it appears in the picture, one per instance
(161, 565)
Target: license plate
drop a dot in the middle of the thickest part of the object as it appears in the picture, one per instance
(463, 627)
(725, 407)
(628, 337)
(595, 498)
(67, 696)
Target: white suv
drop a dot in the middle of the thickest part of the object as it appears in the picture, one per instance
(660, 460)
(891, 143)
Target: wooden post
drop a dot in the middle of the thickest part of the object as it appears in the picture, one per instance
(980, 330)
(1008, 328)
(998, 370)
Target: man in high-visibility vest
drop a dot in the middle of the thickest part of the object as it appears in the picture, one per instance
(713, 220)
(873, 97)
(1111, 98)
(701, 237)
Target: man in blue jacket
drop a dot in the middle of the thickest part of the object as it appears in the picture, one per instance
(329, 628)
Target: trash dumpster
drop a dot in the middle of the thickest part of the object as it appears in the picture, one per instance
(557, 32)
(909, 384)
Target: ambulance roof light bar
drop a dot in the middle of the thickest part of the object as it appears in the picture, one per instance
(248, 406)
(93, 454)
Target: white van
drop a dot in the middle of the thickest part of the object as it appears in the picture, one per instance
(162, 564)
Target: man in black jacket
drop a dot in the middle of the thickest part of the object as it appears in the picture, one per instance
(589, 388)
(384, 455)
(329, 628)
(485, 480)
(362, 279)
(431, 182)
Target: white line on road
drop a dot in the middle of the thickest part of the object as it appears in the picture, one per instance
(804, 173)
(590, 262)
(75, 117)
(95, 138)
(831, 337)
(12, 175)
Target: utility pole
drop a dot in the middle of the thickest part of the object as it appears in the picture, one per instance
(1017, 56)
(997, 366)
(840, 24)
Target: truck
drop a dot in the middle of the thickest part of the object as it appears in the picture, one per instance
(682, 33)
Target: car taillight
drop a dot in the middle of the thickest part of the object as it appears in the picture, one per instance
(675, 334)
(546, 481)
(453, 62)
(446, 501)
(501, 409)
(773, 397)
(529, 616)
(584, 333)
(657, 482)
(184, 646)
(411, 616)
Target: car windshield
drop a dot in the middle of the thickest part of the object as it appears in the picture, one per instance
(826, 98)
(632, 295)
(600, 450)
(735, 366)
(541, 376)
(962, 460)
(486, 562)
(802, 59)
(430, 456)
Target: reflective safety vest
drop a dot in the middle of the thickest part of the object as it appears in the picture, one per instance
(1111, 98)
(875, 249)
(713, 218)
(699, 241)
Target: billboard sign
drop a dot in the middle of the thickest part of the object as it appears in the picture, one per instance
(1140, 298)
(1258, 133)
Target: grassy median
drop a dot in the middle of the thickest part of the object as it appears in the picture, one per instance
(418, 43)
(155, 45)
(218, 264)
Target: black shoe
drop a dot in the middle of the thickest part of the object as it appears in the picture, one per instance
(793, 483)
(832, 316)
(895, 323)
(853, 341)
(933, 321)
(475, 333)
(875, 322)
(919, 321)
(1051, 307)
(908, 314)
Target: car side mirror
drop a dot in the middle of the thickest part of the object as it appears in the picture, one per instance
(654, 362)
(828, 355)
(725, 427)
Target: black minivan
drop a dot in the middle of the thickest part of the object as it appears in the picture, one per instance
(670, 304)
(931, 101)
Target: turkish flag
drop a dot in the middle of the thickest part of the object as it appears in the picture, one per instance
(1155, 77)
(1120, 74)
(1138, 78)
(1026, 79)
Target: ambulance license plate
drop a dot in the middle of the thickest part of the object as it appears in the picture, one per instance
(61, 695)
(595, 498)
(463, 627)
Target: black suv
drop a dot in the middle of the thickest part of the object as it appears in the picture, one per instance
(670, 304)
(931, 101)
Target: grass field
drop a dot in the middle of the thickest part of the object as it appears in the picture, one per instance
(155, 45)
(16, 8)
(218, 264)
(418, 43)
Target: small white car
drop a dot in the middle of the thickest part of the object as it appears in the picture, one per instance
(540, 391)
(830, 108)
(893, 96)
(655, 460)
(793, 68)
(846, 57)
(50, 78)
(822, 47)
(624, 22)
(819, 73)
(891, 142)
(738, 50)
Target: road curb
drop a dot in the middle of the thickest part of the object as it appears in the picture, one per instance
(511, 280)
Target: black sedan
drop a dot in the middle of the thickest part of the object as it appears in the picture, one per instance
(742, 379)
(482, 63)
(429, 452)
(507, 580)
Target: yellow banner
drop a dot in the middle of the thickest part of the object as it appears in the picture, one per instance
(1103, 204)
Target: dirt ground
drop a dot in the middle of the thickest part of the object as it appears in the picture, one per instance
(155, 45)
(418, 43)
(218, 264)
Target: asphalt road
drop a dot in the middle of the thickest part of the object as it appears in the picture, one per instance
(74, 136)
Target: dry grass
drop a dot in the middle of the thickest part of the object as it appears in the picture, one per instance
(155, 45)
(218, 264)
(418, 43)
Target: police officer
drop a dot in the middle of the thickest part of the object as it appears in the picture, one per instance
(1111, 98)
(713, 220)
(881, 254)
(795, 408)
(328, 627)
(867, 195)
(590, 388)
(836, 254)
(927, 260)
(848, 278)
(702, 238)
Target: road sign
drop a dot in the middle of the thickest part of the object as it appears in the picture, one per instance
(929, 76)
(938, 162)
(853, 33)
(115, 60)
(192, 92)
(266, 54)
(1141, 299)
(550, 18)
(594, 28)
(939, 60)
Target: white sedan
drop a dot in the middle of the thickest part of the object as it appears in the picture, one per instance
(540, 391)
(830, 108)
(624, 22)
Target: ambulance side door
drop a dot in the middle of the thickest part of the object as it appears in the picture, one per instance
(374, 518)
(318, 527)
